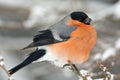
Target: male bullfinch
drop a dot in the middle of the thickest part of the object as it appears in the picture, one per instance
(67, 42)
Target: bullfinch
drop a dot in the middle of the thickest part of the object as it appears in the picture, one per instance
(67, 42)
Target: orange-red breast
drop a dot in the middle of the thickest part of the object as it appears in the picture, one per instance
(71, 39)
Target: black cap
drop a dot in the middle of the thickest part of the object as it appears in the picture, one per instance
(81, 16)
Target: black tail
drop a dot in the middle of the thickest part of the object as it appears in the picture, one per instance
(32, 57)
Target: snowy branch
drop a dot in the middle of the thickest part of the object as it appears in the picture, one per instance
(2, 65)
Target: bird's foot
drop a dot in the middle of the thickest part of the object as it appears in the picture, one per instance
(68, 66)
(73, 67)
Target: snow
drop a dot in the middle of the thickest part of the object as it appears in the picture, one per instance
(1, 61)
(1, 58)
(117, 10)
(97, 56)
(104, 69)
(99, 79)
(117, 44)
(67, 72)
(85, 73)
(108, 53)
(36, 13)
(10, 78)
(111, 76)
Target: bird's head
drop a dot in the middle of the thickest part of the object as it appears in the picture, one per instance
(79, 17)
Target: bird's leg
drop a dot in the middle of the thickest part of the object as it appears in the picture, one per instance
(73, 67)
(68, 65)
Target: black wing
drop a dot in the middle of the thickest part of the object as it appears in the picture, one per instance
(43, 38)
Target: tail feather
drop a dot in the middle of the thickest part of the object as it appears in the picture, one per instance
(32, 57)
(16, 68)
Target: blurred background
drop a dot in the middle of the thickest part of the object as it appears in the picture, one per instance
(20, 20)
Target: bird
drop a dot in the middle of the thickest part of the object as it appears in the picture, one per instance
(67, 42)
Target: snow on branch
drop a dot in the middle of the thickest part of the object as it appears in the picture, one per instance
(2, 65)
(84, 74)
(106, 73)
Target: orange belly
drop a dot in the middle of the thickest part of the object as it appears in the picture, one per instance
(71, 50)
(77, 48)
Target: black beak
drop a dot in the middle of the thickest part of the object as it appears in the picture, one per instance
(87, 20)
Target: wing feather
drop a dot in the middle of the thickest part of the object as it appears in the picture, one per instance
(43, 38)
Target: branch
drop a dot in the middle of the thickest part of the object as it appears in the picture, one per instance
(106, 73)
(2, 65)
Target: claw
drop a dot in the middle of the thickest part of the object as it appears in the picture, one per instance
(65, 65)
(68, 65)
(74, 68)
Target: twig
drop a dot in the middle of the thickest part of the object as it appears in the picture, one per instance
(2, 65)
(107, 74)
